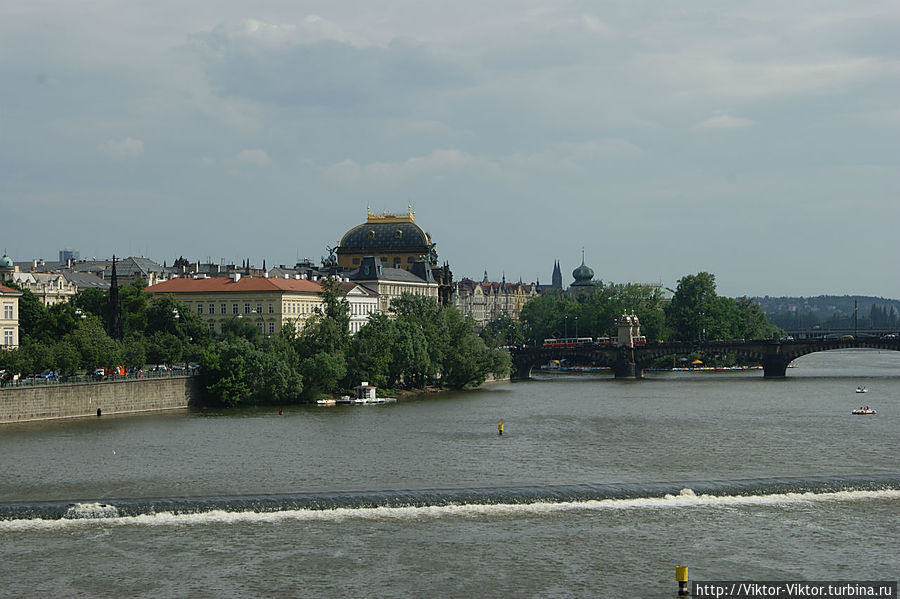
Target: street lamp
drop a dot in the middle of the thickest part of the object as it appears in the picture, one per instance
(566, 329)
(576, 327)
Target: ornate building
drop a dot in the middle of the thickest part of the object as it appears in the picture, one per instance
(395, 239)
(488, 300)
(389, 283)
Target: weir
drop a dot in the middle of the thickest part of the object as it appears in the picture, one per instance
(688, 491)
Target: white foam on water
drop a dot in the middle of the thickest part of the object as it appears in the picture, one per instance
(91, 510)
(685, 499)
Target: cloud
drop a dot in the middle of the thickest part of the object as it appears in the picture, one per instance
(724, 122)
(438, 160)
(252, 157)
(123, 149)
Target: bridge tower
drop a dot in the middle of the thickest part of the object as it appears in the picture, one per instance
(629, 327)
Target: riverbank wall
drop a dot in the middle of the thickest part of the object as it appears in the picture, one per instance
(47, 402)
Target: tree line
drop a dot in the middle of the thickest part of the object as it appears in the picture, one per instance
(420, 343)
(695, 312)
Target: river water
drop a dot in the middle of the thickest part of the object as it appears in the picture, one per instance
(597, 488)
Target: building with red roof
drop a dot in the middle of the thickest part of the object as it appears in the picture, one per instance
(269, 303)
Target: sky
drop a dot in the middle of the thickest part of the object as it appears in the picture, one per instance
(755, 141)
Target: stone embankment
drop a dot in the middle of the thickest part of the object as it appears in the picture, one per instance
(45, 402)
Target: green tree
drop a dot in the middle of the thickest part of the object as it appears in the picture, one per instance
(693, 307)
(92, 301)
(273, 373)
(503, 330)
(222, 372)
(467, 361)
(370, 354)
(134, 302)
(94, 346)
(409, 353)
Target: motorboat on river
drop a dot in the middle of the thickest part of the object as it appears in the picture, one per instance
(864, 411)
(365, 394)
(862, 390)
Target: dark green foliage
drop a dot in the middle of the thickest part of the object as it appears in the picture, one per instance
(555, 315)
(503, 331)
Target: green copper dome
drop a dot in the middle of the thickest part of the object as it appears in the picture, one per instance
(583, 274)
(6, 262)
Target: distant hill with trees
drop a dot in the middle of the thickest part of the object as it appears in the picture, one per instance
(831, 311)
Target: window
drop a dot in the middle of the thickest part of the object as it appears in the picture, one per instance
(271, 309)
(8, 337)
(234, 309)
(224, 309)
(259, 326)
(8, 314)
(271, 328)
(259, 308)
(212, 309)
(246, 308)
(212, 327)
(199, 308)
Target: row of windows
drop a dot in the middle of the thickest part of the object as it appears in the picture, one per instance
(223, 308)
(397, 260)
(298, 307)
(262, 328)
(362, 309)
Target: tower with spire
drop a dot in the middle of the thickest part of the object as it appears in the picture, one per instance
(556, 280)
(114, 310)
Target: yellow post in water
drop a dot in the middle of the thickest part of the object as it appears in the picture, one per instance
(681, 576)
(500, 427)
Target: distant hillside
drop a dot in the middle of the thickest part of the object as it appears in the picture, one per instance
(834, 311)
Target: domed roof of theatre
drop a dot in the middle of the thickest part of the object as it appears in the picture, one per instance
(6, 262)
(386, 231)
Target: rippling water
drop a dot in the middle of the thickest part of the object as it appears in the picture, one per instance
(598, 487)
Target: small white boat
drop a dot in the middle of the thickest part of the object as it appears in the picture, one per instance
(326, 402)
(863, 412)
(862, 390)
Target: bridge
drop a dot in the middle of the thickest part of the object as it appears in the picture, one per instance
(630, 362)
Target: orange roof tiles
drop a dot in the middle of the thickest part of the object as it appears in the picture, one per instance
(225, 285)
(5, 289)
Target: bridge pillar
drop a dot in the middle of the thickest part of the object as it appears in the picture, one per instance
(775, 367)
(625, 366)
(522, 371)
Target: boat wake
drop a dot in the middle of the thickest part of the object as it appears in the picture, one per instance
(438, 503)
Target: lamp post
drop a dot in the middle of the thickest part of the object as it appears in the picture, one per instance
(566, 330)
(576, 328)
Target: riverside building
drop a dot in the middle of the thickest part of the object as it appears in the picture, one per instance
(267, 303)
(488, 300)
(9, 317)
